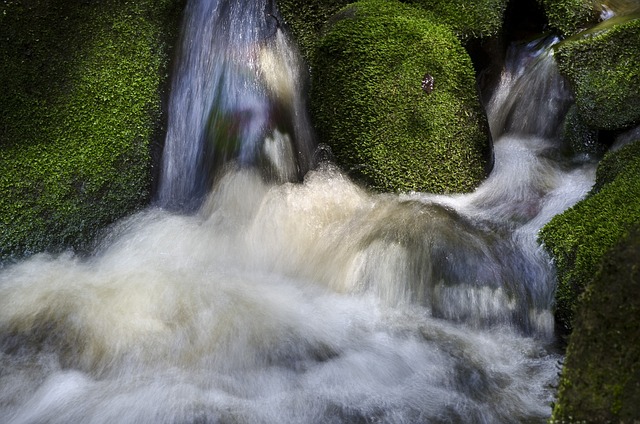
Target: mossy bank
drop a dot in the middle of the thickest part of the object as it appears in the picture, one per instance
(80, 108)
(394, 95)
(601, 375)
(596, 298)
(603, 66)
(569, 17)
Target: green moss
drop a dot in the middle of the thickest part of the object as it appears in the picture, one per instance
(306, 20)
(600, 381)
(80, 107)
(369, 107)
(603, 66)
(569, 16)
(468, 18)
(579, 238)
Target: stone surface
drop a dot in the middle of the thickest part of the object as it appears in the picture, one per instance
(369, 106)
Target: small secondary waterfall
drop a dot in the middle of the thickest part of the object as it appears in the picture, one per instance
(299, 302)
(237, 95)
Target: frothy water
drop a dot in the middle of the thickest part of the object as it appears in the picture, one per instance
(312, 302)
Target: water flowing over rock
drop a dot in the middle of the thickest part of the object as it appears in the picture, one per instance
(279, 301)
(237, 98)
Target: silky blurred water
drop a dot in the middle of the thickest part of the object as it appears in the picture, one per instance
(237, 95)
(278, 301)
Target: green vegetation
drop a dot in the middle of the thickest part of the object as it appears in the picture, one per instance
(369, 107)
(80, 108)
(601, 374)
(603, 65)
(579, 238)
(306, 20)
(569, 16)
(468, 18)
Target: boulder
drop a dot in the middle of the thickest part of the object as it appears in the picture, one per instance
(580, 238)
(570, 16)
(603, 66)
(600, 380)
(394, 95)
(80, 111)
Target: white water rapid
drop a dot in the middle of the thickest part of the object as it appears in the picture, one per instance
(301, 302)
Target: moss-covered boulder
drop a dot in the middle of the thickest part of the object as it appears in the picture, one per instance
(394, 95)
(603, 66)
(468, 18)
(80, 107)
(306, 20)
(600, 381)
(570, 16)
(580, 238)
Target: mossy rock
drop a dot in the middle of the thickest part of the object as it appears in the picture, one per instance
(80, 108)
(580, 238)
(306, 20)
(570, 16)
(369, 106)
(600, 380)
(468, 18)
(603, 66)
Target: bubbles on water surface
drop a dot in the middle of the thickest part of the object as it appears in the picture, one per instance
(268, 306)
(312, 302)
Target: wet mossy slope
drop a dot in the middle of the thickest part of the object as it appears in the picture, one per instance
(579, 238)
(369, 104)
(603, 66)
(80, 108)
(601, 376)
(569, 16)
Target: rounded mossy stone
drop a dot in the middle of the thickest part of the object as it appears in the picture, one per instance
(369, 106)
(468, 18)
(579, 238)
(305, 20)
(600, 380)
(80, 108)
(569, 16)
(603, 66)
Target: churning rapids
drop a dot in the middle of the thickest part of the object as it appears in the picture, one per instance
(286, 293)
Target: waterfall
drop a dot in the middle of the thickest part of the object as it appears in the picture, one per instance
(287, 296)
(237, 96)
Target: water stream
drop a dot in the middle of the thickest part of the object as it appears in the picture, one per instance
(238, 83)
(257, 292)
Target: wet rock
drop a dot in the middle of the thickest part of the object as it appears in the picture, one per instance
(599, 382)
(603, 65)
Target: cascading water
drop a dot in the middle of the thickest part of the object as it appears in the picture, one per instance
(313, 302)
(237, 95)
